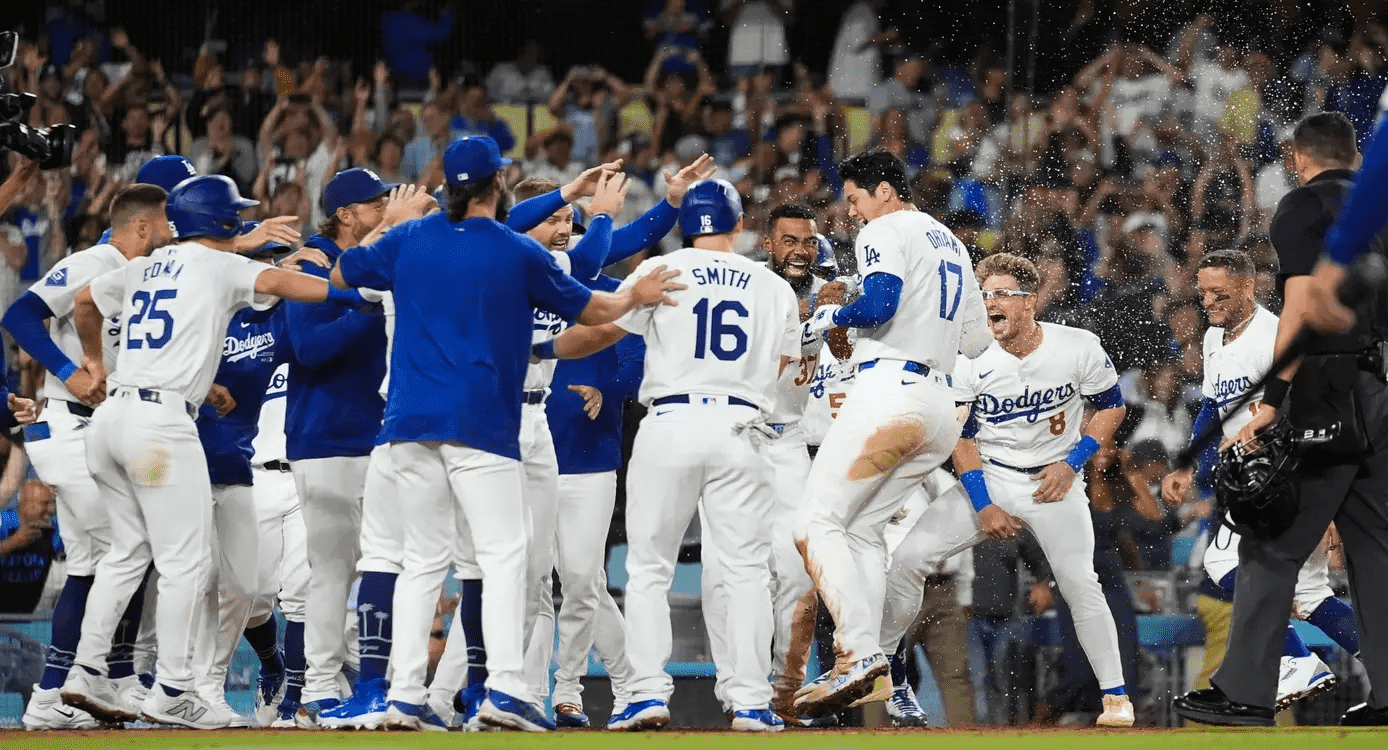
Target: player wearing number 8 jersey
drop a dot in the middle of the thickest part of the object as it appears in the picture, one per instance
(1022, 449)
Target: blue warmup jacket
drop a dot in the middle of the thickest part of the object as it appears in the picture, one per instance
(255, 345)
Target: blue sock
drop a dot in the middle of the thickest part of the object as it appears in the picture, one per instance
(1294, 646)
(1227, 582)
(67, 630)
(171, 692)
(470, 609)
(121, 661)
(294, 662)
(897, 661)
(263, 639)
(1120, 690)
(374, 601)
(147, 679)
(1335, 618)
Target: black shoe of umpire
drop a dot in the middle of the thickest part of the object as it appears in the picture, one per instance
(1363, 716)
(1212, 706)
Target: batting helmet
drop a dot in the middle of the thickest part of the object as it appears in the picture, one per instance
(166, 171)
(824, 260)
(207, 206)
(710, 207)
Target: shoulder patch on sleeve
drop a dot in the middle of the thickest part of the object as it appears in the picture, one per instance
(57, 278)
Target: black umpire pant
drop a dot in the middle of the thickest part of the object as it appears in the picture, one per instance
(1355, 497)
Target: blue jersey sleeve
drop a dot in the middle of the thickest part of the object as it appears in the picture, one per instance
(528, 214)
(373, 266)
(631, 364)
(650, 228)
(25, 320)
(547, 287)
(1366, 209)
(1206, 453)
(589, 254)
(320, 332)
(876, 305)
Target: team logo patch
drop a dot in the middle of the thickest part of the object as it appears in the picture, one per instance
(57, 278)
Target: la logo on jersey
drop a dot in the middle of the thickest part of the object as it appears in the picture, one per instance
(57, 278)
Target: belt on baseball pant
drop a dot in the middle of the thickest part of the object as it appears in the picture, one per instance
(153, 397)
(908, 366)
(1024, 470)
(685, 398)
(275, 466)
(935, 579)
(531, 398)
(75, 409)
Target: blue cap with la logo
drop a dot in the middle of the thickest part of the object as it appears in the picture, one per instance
(472, 159)
(350, 186)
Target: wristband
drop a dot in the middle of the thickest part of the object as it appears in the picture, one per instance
(67, 371)
(544, 350)
(345, 296)
(1275, 392)
(1081, 453)
(977, 489)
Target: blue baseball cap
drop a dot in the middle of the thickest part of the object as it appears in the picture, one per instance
(165, 171)
(472, 159)
(350, 186)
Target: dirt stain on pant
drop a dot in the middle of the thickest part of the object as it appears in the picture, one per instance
(151, 467)
(886, 448)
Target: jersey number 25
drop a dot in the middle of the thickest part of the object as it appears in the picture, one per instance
(146, 313)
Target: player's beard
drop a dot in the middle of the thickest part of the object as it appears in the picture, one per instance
(801, 285)
(503, 206)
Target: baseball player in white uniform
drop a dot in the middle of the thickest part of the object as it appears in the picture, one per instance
(1024, 450)
(712, 365)
(919, 308)
(1238, 351)
(143, 451)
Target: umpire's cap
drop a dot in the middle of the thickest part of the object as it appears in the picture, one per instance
(710, 207)
(207, 206)
(166, 171)
(472, 159)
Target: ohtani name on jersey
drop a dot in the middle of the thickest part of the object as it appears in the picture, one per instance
(236, 349)
(163, 268)
(722, 277)
(1030, 405)
(1231, 388)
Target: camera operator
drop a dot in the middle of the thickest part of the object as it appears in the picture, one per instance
(1339, 380)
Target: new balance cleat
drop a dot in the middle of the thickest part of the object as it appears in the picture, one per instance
(187, 709)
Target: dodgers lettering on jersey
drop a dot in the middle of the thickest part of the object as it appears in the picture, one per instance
(793, 387)
(727, 334)
(175, 306)
(546, 326)
(254, 346)
(828, 391)
(268, 444)
(59, 291)
(1231, 369)
(1029, 410)
(940, 297)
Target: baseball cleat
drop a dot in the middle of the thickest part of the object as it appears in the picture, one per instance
(1302, 677)
(467, 703)
(407, 717)
(757, 720)
(96, 695)
(570, 716)
(1118, 712)
(187, 709)
(442, 706)
(46, 711)
(269, 688)
(508, 712)
(904, 709)
(307, 715)
(131, 693)
(285, 716)
(364, 710)
(844, 685)
(881, 692)
(225, 712)
(641, 715)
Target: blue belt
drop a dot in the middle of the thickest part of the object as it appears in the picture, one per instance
(684, 399)
(1032, 470)
(154, 398)
(909, 366)
(533, 397)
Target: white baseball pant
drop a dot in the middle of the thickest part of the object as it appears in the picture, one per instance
(152, 473)
(1312, 581)
(330, 494)
(541, 469)
(451, 671)
(1065, 531)
(588, 615)
(382, 527)
(895, 427)
(439, 482)
(284, 574)
(61, 463)
(688, 457)
(232, 586)
(147, 639)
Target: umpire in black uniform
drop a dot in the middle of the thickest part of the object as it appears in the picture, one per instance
(1340, 379)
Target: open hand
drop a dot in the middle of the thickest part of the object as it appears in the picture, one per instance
(592, 399)
(295, 261)
(1055, 481)
(677, 184)
(652, 288)
(586, 184)
(407, 202)
(280, 229)
(611, 194)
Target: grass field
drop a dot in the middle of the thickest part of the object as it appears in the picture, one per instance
(945, 739)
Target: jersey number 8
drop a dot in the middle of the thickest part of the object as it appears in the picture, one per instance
(713, 329)
(147, 311)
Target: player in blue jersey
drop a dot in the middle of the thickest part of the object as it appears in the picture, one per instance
(454, 412)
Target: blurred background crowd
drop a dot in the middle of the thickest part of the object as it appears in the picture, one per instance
(1113, 142)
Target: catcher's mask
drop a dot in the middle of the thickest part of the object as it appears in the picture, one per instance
(1255, 489)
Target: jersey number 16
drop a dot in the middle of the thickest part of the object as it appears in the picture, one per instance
(713, 330)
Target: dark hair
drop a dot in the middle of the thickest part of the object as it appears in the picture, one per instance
(135, 199)
(1328, 138)
(330, 226)
(531, 187)
(1236, 262)
(789, 211)
(871, 168)
(459, 197)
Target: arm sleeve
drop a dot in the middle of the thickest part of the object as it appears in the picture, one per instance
(25, 321)
(528, 214)
(631, 362)
(1099, 376)
(876, 305)
(649, 229)
(373, 266)
(589, 254)
(547, 286)
(1366, 209)
(974, 334)
(1207, 453)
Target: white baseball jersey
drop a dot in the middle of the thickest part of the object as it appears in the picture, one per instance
(1231, 369)
(828, 390)
(793, 387)
(387, 300)
(59, 290)
(1029, 410)
(727, 334)
(940, 298)
(174, 308)
(546, 326)
(268, 442)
